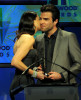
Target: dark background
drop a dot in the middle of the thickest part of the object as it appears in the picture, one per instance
(7, 72)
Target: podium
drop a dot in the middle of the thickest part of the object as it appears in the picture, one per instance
(54, 92)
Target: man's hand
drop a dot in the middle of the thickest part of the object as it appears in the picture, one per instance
(54, 76)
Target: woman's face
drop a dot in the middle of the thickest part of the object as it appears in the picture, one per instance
(37, 23)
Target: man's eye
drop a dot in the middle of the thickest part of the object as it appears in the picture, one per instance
(45, 18)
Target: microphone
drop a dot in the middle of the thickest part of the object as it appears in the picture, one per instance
(30, 66)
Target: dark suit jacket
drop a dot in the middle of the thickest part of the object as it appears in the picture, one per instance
(66, 53)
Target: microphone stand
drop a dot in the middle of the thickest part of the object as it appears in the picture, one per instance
(69, 72)
(30, 66)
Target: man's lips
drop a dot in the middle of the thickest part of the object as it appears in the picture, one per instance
(42, 26)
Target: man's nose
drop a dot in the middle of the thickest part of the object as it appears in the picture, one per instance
(41, 21)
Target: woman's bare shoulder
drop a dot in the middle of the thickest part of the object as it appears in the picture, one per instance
(24, 39)
(27, 37)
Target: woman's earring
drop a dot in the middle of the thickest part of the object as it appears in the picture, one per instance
(34, 27)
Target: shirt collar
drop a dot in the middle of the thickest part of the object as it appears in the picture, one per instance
(53, 35)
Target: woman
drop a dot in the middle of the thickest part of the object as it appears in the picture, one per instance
(24, 53)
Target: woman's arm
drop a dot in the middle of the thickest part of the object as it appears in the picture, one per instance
(22, 51)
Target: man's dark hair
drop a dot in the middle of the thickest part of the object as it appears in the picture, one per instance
(26, 24)
(53, 9)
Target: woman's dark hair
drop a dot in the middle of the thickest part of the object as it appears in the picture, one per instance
(53, 9)
(26, 24)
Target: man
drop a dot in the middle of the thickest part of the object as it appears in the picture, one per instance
(57, 46)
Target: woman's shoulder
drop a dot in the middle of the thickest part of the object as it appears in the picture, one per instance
(26, 38)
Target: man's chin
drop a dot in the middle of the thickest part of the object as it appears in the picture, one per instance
(42, 30)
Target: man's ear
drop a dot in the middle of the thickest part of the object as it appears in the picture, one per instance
(56, 21)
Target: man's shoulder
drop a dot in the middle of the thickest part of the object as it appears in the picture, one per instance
(66, 33)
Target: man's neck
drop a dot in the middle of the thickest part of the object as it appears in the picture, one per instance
(52, 32)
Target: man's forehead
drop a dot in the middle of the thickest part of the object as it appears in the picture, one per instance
(46, 14)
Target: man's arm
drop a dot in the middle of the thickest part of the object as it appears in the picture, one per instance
(75, 54)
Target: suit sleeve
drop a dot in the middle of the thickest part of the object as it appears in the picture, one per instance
(75, 53)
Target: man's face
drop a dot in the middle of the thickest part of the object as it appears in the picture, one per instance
(46, 21)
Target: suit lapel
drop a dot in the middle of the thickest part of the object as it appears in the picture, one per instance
(42, 50)
(42, 45)
(57, 44)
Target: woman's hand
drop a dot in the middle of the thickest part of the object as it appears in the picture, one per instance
(40, 75)
(39, 68)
